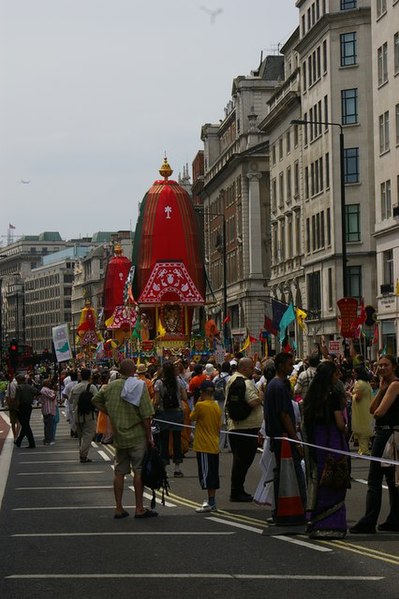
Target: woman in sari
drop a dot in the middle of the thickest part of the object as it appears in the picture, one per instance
(324, 425)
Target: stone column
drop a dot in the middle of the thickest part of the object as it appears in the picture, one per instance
(254, 226)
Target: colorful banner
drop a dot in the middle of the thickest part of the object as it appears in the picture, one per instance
(348, 308)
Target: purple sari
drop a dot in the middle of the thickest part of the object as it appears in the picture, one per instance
(326, 507)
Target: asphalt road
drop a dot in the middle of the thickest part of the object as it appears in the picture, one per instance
(58, 538)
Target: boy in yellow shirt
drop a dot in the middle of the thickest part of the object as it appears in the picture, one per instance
(208, 417)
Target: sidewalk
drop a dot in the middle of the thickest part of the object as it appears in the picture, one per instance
(4, 428)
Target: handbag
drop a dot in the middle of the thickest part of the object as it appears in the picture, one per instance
(335, 473)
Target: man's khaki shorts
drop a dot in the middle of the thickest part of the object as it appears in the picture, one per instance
(130, 458)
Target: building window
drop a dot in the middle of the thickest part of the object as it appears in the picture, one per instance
(280, 147)
(352, 222)
(384, 132)
(274, 154)
(348, 49)
(381, 7)
(325, 59)
(295, 136)
(349, 106)
(296, 179)
(382, 63)
(396, 53)
(327, 164)
(348, 4)
(289, 188)
(351, 163)
(325, 112)
(308, 235)
(298, 232)
(274, 195)
(306, 183)
(275, 242)
(282, 240)
(329, 289)
(354, 281)
(281, 190)
(386, 205)
(288, 142)
(397, 125)
(328, 226)
(387, 261)
(314, 292)
(235, 316)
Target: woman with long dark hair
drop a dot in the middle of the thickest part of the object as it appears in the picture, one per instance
(168, 403)
(385, 407)
(324, 425)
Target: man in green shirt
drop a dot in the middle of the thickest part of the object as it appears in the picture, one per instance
(127, 403)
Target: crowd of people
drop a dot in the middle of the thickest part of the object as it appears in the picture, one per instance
(323, 408)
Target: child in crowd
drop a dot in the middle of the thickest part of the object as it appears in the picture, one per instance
(208, 416)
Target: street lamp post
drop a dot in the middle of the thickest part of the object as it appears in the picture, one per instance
(342, 180)
(203, 212)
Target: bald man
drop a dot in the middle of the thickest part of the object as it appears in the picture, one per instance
(244, 433)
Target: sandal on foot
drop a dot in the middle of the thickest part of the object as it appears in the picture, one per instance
(123, 514)
(146, 514)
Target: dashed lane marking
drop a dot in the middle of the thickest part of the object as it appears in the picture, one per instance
(207, 575)
(301, 543)
(171, 533)
(236, 524)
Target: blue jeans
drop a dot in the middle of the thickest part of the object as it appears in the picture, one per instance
(374, 482)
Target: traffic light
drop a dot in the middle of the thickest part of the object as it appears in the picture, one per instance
(13, 353)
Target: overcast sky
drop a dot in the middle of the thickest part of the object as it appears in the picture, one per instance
(93, 92)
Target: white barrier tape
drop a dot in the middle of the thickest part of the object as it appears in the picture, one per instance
(357, 456)
(297, 442)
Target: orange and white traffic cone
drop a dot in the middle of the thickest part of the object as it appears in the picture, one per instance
(290, 509)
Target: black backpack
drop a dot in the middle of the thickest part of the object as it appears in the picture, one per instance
(154, 475)
(170, 399)
(84, 402)
(237, 407)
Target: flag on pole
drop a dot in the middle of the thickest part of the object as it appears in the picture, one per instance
(286, 319)
(278, 309)
(247, 342)
(227, 319)
(300, 318)
(269, 326)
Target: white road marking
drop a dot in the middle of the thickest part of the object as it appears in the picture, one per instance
(302, 543)
(236, 524)
(55, 473)
(127, 533)
(202, 575)
(149, 496)
(68, 507)
(51, 462)
(63, 488)
(364, 482)
(104, 455)
(51, 451)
